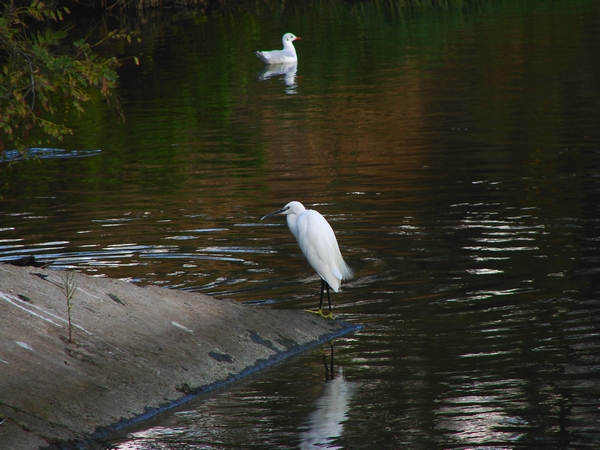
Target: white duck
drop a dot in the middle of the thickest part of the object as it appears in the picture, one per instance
(285, 56)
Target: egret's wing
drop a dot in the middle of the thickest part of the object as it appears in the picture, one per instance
(319, 245)
(332, 256)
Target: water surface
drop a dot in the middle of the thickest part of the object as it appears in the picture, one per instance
(455, 151)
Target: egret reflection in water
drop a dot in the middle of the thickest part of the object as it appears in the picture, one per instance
(326, 421)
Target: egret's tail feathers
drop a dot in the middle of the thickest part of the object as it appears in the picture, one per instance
(334, 282)
(335, 275)
(346, 272)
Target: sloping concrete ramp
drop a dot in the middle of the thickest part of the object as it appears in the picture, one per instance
(135, 351)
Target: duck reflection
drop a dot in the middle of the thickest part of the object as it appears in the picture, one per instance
(287, 70)
(326, 422)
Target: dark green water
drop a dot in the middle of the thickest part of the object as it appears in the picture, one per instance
(456, 152)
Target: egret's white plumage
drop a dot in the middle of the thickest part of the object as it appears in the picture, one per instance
(318, 243)
(285, 56)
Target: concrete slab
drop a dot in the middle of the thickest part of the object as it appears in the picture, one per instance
(135, 351)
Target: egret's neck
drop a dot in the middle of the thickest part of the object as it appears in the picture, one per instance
(292, 221)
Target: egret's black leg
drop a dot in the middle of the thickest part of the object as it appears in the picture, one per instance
(323, 284)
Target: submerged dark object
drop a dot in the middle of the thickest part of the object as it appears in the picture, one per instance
(27, 260)
(46, 153)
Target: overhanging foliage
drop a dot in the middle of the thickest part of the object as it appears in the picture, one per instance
(37, 76)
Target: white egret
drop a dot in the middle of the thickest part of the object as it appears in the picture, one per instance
(285, 56)
(319, 245)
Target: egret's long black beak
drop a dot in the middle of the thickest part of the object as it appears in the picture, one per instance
(279, 211)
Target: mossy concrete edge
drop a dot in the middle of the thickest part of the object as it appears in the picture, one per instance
(202, 390)
(135, 351)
